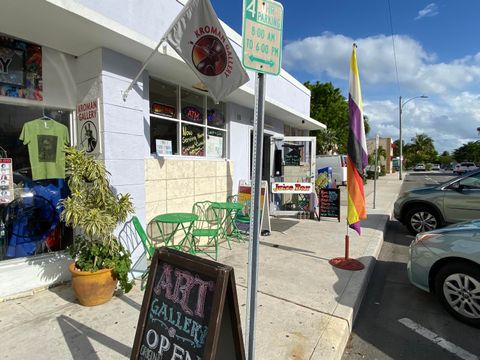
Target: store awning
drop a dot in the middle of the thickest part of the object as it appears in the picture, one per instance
(74, 29)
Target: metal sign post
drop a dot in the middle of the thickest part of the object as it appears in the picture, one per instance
(262, 49)
(255, 215)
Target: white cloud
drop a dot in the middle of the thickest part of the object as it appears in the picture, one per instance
(450, 121)
(450, 115)
(429, 11)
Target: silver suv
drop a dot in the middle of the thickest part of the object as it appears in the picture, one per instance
(428, 208)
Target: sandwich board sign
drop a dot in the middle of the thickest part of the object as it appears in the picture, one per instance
(262, 36)
(189, 310)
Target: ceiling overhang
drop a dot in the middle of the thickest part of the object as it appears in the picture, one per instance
(75, 29)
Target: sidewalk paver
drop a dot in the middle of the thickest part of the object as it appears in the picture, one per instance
(305, 309)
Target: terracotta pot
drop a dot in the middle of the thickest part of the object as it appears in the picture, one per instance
(92, 288)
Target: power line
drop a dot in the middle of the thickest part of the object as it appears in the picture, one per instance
(393, 45)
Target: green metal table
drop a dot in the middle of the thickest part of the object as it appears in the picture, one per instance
(228, 220)
(180, 221)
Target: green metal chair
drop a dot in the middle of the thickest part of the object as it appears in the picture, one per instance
(147, 245)
(206, 227)
(242, 218)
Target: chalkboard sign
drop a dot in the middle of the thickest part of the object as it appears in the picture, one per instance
(329, 203)
(189, 310)
(292, 158)
(193, 140)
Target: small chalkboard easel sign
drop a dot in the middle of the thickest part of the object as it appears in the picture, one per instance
(189, 310)
(329, 203)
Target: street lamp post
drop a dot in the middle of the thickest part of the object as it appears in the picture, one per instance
(400, 107)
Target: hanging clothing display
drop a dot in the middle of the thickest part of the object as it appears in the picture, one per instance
(46, 140)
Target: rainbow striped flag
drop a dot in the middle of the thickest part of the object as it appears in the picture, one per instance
(357, 150)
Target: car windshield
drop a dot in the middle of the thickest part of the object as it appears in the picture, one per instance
(456, 178)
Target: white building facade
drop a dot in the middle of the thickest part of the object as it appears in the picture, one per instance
(89, 51)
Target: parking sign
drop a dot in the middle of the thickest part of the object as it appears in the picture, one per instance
(262, 36)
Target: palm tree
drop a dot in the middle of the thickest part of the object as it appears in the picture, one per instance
(327, 141)
(421, 150)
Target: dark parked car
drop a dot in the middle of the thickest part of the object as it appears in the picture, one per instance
(428, 208)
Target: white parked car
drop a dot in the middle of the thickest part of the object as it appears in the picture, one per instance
(436, 167)
(464, 167)
(419, 167)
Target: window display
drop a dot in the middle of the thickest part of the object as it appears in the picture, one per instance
(33, 149)
(163, 130)
(46, 140)
(199, 129)
(20, 69)
(215, 143)
(193, 140)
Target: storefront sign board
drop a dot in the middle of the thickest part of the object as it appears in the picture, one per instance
(88, 126)
(215, 145)
(245, 197)
(292, 188)
(262, 36)
(329, 203)
(189, 310)
(6, 181)
(163, 147)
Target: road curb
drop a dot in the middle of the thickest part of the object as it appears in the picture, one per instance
(350, 302)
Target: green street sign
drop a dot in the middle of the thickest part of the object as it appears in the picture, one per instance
(262, 36)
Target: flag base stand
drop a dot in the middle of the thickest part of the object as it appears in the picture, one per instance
(346, 263)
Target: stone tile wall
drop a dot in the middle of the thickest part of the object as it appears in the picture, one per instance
(174, 185)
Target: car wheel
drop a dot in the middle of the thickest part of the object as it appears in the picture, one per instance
(457, 286)
(421, 219)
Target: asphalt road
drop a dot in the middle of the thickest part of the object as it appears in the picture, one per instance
(378, 333)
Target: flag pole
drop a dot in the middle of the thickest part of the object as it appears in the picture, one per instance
(144, 65)
(147, 60)
(357, 153)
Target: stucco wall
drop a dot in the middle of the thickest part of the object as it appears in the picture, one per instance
(174, 185)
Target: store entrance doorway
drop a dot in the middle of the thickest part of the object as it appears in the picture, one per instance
(266, 165)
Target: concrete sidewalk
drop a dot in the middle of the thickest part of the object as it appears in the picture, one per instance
(305, 310)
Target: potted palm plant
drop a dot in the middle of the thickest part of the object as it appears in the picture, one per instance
(94, 210)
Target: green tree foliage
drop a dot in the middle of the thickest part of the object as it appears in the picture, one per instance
(326, 141)
(396, 147)
(366, 124)
(421, 150)
(445, 158)
(382, 156)
(328, 106)
(468, 152)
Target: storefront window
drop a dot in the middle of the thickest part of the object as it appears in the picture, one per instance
(33, 169)
(215, 143)
(163, 99)
(192, 106)
(163, 136)
(215, 114)
(193, 140)
(172, 131)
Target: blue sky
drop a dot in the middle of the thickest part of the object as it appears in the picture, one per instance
(437, 52)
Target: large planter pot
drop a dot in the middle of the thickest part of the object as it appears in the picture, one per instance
(92, 288)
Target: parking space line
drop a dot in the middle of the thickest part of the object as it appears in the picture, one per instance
(430, 335)
(430, 179)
